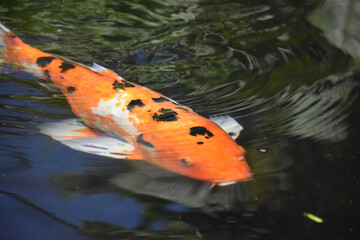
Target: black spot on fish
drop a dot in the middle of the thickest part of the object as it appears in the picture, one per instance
(122, 85)
(71, 89)
(140, 140)
(47, 74)
(135, 103)
(160, 100)
(201, 131)
(200, 143)
(65, 66)
(231, 134)
(117, 85)
(186, 162)
(43, 61)
(182, 108)
(166, 115)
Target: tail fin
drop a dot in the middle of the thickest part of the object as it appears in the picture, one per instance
(3, 31)
(7, 37)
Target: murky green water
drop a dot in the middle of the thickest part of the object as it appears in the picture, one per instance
(263, 63)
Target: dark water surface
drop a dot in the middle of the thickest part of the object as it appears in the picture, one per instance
(263, 63)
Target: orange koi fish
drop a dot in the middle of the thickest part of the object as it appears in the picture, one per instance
(120, 119)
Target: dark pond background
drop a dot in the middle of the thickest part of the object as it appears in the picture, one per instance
(262, 62)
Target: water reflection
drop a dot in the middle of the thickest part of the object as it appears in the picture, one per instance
(142, 178)
(263, 64)
(21, 208)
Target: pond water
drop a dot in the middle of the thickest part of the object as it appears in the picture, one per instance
(264, 64)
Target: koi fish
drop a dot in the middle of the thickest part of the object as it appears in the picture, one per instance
(120, 119)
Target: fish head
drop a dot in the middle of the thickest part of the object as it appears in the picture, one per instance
(202, 151)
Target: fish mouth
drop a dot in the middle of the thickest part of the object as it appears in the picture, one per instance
(223, 184)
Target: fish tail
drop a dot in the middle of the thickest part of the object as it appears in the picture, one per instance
(8, 43)
(8, 38)
(4, 33)
(15, 53)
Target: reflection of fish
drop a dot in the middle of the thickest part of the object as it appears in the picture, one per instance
(123, 120)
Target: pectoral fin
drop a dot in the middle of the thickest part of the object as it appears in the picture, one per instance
(74, 134)
(228, 124)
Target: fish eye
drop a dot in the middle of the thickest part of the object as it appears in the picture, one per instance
(186, 161)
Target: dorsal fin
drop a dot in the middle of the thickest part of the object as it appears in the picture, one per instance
(95, 68)
(104, 71)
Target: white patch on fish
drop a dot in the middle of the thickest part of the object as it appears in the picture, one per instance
(120, 117)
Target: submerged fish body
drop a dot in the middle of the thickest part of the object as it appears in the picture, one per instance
(121, 119)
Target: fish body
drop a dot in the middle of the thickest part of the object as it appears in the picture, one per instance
(148, 125)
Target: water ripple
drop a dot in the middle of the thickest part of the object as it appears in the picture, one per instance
(261, 63)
